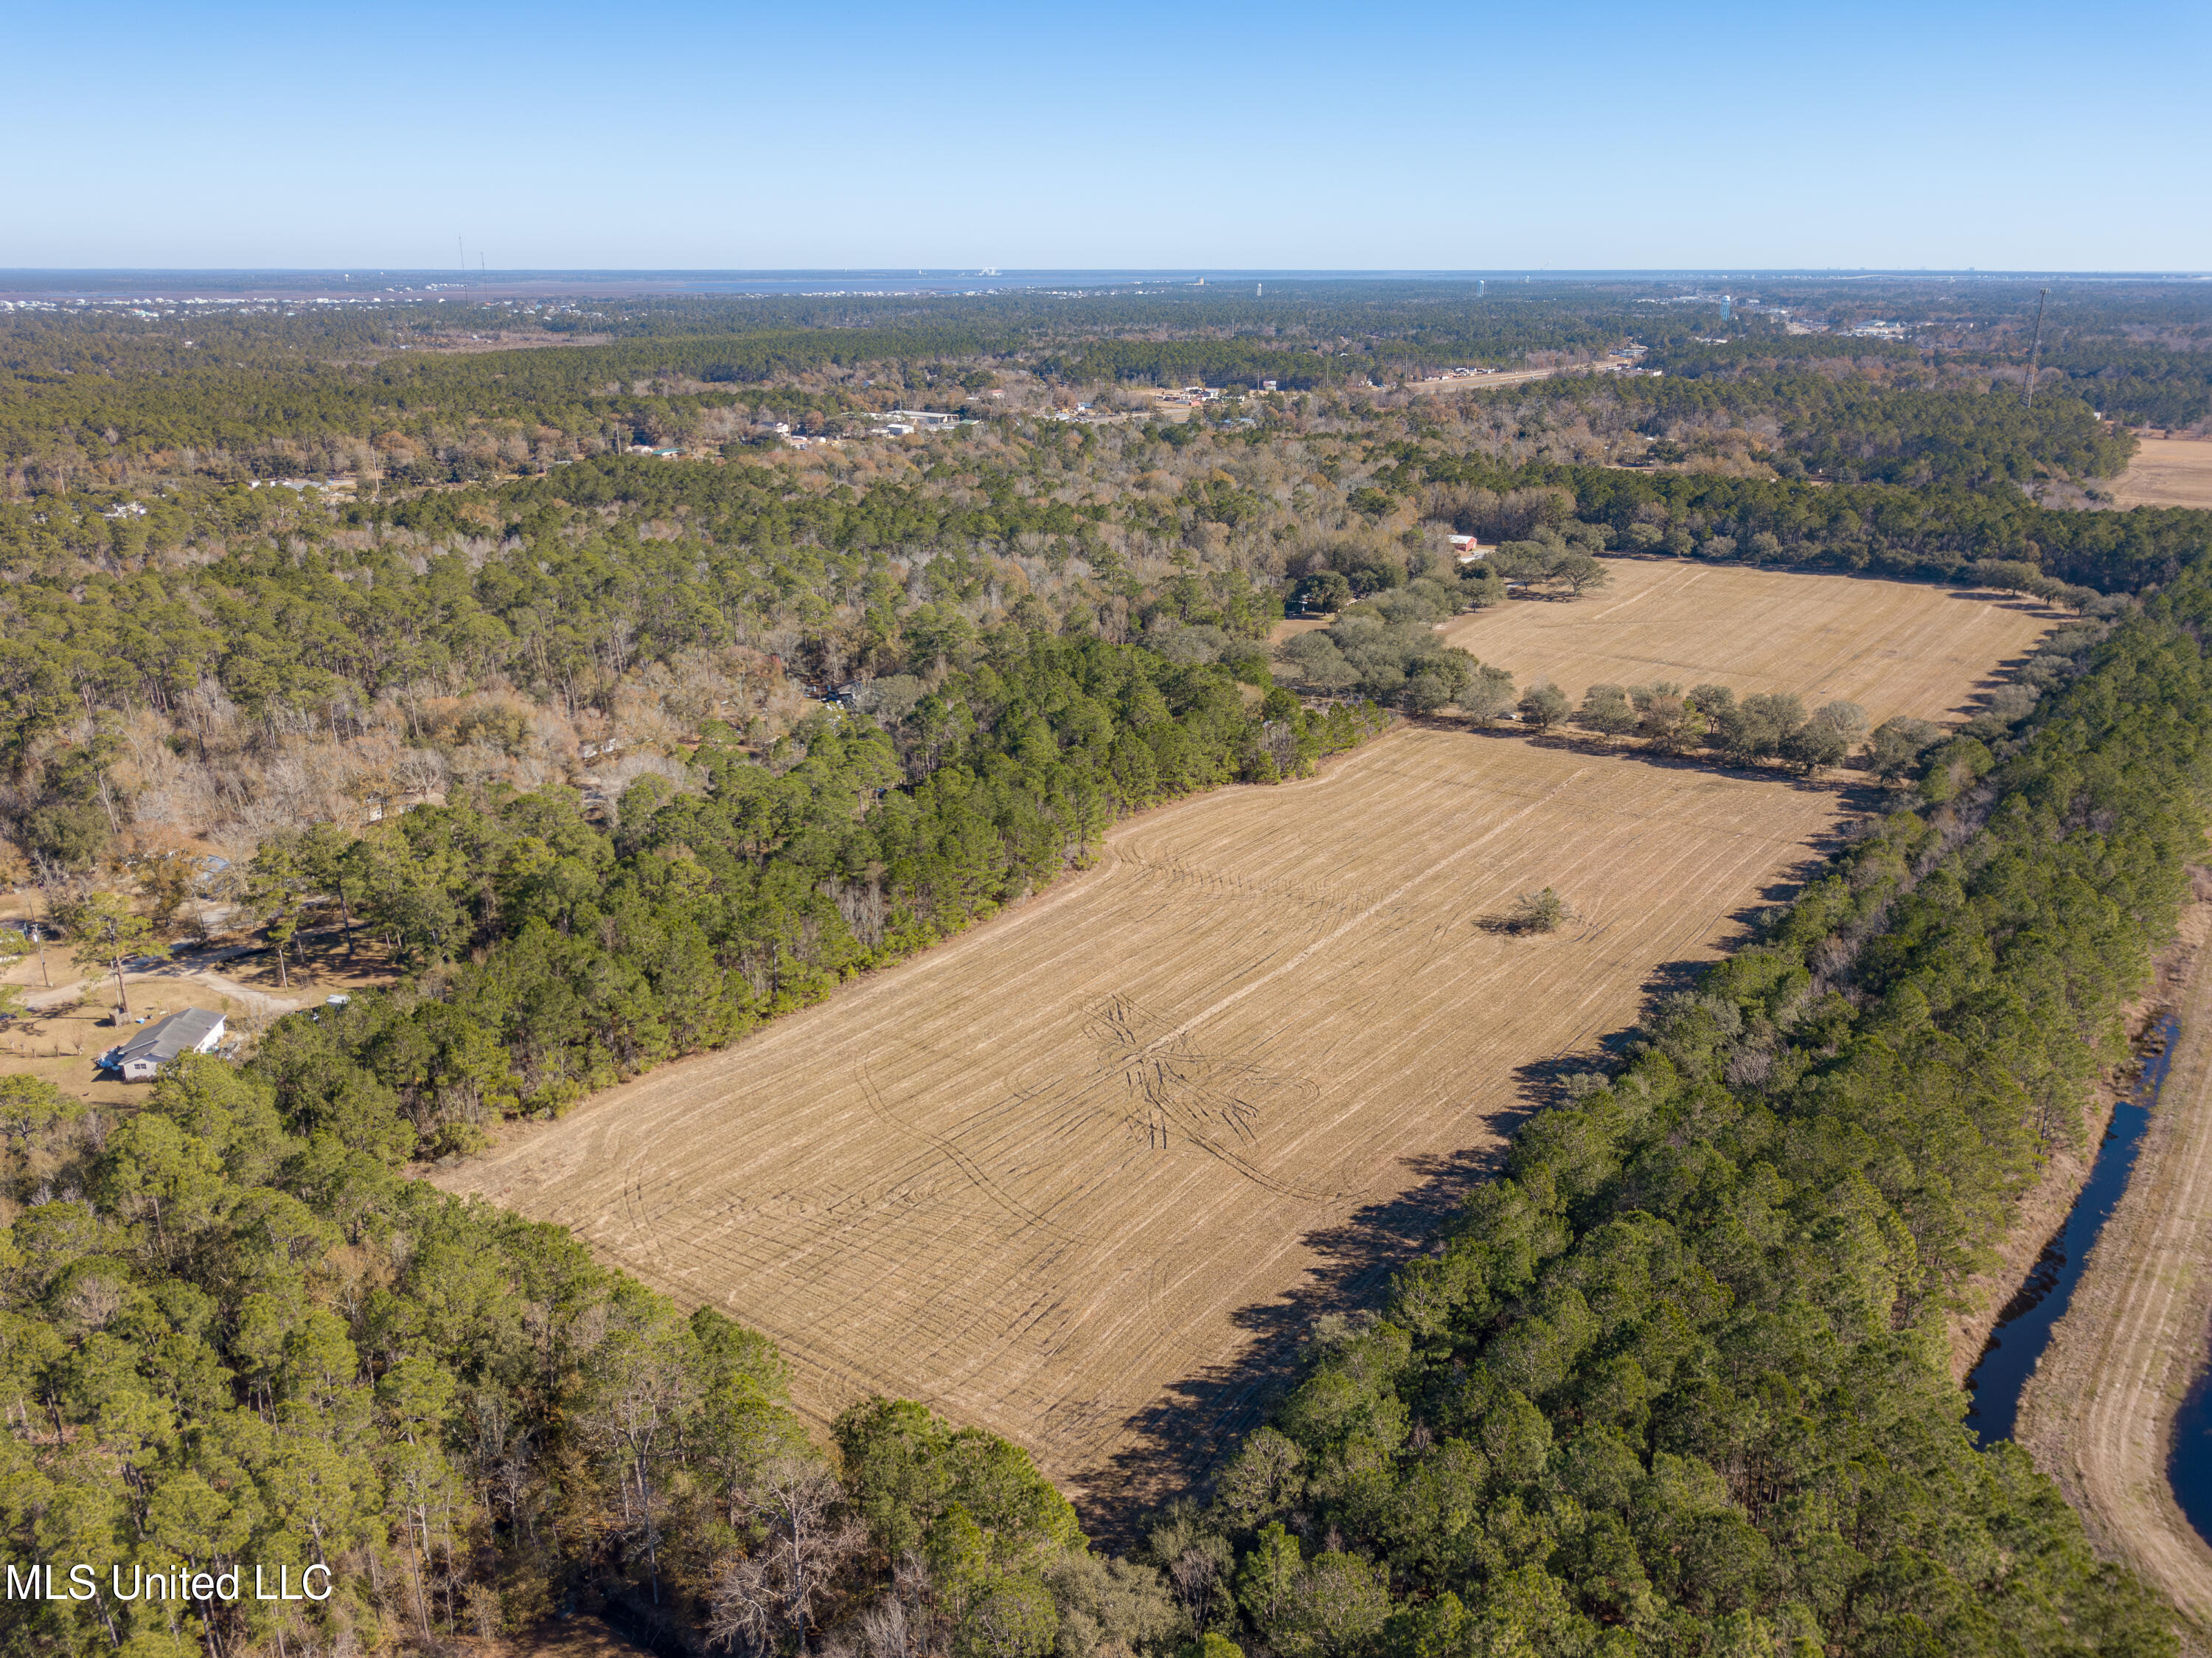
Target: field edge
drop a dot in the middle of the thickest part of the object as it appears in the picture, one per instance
(2099, 1413)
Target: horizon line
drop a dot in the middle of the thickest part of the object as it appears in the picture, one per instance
(1150, 272)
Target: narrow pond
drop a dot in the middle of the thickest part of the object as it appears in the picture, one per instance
(2190, 1472)
(2024, 1327)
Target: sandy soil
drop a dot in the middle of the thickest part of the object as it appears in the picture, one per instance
(1491, 382)
(2167, 472)
(1083, 1175)
(2098, 1414)
(1091, 1158)
(1892, 647)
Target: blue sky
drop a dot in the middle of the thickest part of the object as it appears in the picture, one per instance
(681, 134)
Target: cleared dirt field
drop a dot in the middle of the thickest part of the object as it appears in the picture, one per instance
(2167, 472)
(1073, 1163)
(1892, 647)
(1083, 1175)
(2099, 1413)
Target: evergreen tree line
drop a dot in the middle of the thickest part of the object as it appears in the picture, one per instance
(1849, 428)
(1919, 532)
(557, 956)
(1677, 1380)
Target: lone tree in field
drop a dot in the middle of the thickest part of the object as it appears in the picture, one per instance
(108, 933)
(1580, 573)
(1543, 706)
(1537, 913)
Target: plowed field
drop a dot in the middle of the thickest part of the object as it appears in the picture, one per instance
(1892, 647)
(2167, 472)
(1078, 1175)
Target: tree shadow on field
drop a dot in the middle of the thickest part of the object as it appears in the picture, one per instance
(1176, 1445)
(1181, 1439)
(1997, 598)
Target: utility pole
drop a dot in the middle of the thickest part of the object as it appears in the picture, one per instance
(2035, 352)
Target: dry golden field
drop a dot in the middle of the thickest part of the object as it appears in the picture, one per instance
(1892, 647)
(2167, 472)
(1079, 1174)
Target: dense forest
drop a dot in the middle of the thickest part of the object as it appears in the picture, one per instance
(235, 1336)
(611, 760)
(349, 388)
(1675, 1382)
(462, 389)
(568, 954)
(1677, 1374)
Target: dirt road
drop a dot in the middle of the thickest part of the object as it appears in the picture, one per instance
(1517, 377)
(2098, 1415)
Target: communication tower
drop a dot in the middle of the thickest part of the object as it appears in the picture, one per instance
(2035, 352)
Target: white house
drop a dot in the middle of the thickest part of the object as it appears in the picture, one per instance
(193, 1031)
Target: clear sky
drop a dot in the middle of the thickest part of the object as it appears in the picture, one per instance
(690, 135)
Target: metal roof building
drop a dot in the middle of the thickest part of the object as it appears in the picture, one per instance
(193, 1031)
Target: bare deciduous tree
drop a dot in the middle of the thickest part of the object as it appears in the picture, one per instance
(899, 1624)
(644, 1390)
(771, 1592)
